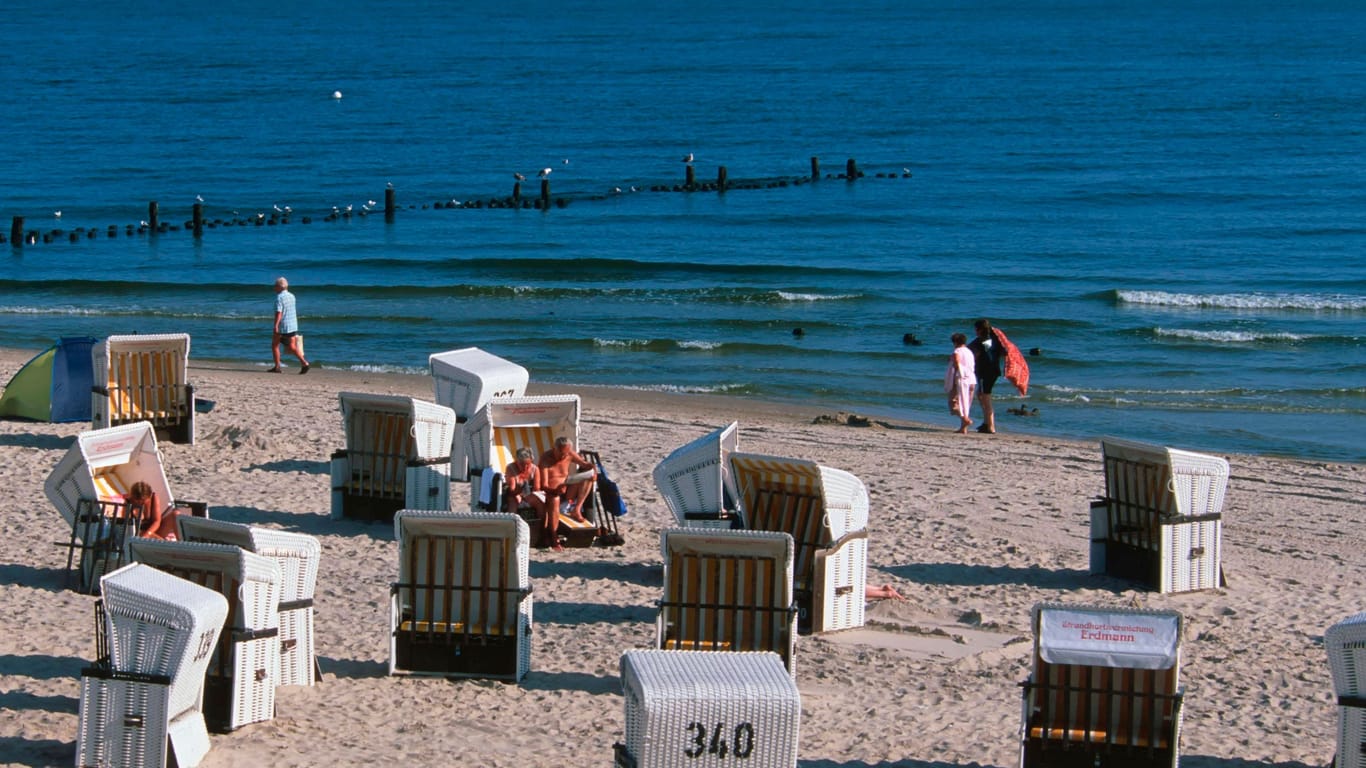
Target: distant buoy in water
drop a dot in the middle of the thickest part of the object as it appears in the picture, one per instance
(1035, 351)
(911, 340)
(798, 332)
(336, 94)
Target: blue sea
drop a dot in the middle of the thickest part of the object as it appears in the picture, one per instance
(1167, 200)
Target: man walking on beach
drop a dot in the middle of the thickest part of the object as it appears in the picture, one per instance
(286, 327)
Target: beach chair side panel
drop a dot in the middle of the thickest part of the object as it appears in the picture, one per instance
(369, 477)
(840, 574)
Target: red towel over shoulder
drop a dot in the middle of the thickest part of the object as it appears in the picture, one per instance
(1017, 370)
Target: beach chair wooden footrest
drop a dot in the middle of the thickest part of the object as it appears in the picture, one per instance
(437, 652)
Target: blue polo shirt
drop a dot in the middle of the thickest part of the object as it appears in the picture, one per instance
(284, 304)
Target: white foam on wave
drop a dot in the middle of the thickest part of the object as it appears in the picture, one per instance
(714, 389)
(620, 343)
(1230, 337)
(1306, 301)
(372, 368)
(704, 345)
(794, 296)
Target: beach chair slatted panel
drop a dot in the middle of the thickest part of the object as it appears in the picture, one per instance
(244, 669)
(144, 378)
(1105, 688)
(825, 511)
(297, 556)
(155, 636)
(462, 604)
(88, 485)
(696, 482)
(727, 591)
(397, 456)
(693, 708)
(1160, 520)
(1345, 642)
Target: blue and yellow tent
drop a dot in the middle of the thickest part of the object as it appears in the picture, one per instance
(54, 386)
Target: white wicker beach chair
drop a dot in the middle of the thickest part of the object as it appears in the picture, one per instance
(144, 378)
(88, 486)
(687, 709)
(1346, 646)
(825, 510)
(146, 689)
(1160, 520)
(696, 482)
(397, 455)
(467, 379)
(1105, 688)
(240, 684)
(462, 603)
(297, 555)
(727, 591)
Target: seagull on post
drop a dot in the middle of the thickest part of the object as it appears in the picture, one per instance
(688, 158)
(545, 173)
(519, 176)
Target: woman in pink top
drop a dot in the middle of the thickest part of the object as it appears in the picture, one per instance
(960, 381)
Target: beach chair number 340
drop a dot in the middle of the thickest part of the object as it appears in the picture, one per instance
(741, 745)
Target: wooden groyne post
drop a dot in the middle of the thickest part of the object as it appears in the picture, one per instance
(198, 220)
(545, 194)
(153, 220)
(721, 179)
(815, 168)
(690, 177)
(516, 191)
(16, 231)
(851, 169)
(389, 204)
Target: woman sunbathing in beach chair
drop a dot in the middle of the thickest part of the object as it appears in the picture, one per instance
(153, 522)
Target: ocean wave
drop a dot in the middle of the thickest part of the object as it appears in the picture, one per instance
(795, 296)
(713, 389)
(1296, 301)
(621, 343)
(373, 368)
(1233, 337)
(703, 345)
(69, 311)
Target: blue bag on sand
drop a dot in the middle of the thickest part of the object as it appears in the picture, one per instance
(610, 493)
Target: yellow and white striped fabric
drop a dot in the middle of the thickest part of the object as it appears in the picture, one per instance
(145, 376)
(508, 440)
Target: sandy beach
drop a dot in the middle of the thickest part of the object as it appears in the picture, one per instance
(973, 529)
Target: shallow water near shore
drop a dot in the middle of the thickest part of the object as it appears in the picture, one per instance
(1164, 202)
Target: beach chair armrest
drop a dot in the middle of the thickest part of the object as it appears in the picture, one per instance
(429, 462)
(1355, 702)
(101, 391)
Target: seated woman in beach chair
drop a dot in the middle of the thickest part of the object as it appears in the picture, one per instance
(522, 486)
(145, 507)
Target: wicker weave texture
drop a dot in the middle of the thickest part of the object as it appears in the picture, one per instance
(297, 556)
(695, 478)
(465, 380)
(709, 709)
(159, 624)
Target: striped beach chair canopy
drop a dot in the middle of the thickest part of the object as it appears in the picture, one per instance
(493, 435)
(144, 378)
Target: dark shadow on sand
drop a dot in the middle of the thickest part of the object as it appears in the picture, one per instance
(303, 522)
(37, 753)
(292, 465)
(640, 574)
(571, 614)
(353, 669)
(42, 442)
(40, 666)
(576, 681)
(47, 579)
(907, 763)
(17, 701)
(965, 575)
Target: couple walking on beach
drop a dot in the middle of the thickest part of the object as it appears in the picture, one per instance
(974, 368)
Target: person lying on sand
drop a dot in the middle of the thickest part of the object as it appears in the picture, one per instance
(884, 592)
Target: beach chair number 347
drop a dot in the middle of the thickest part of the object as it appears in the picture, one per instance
(741, 745)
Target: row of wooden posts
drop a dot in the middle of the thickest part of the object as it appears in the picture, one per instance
(17, 236)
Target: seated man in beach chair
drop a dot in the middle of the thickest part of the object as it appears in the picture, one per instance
(567, 478)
